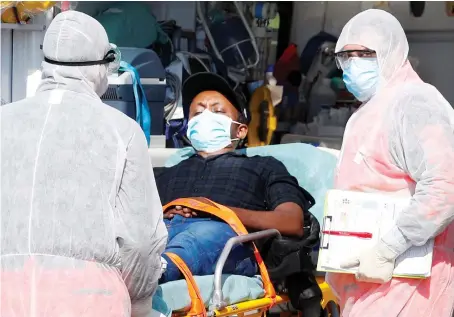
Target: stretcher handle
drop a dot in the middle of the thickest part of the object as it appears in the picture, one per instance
(197, 305)
(226, 214)
(218, 301)
(232, 219)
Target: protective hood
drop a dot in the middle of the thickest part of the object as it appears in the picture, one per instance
(75, 37)
(379, 31)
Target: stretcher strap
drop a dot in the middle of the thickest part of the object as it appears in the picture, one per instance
(197, 306)
(226, 214)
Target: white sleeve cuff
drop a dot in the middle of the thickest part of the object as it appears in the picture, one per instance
(396, 242)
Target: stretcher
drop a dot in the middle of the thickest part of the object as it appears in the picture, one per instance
(231, 295)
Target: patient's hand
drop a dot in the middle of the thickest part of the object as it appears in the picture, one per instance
(179, 210)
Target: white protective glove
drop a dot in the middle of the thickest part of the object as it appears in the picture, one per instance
(375, 265)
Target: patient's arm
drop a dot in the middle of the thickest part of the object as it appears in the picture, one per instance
(286, 217)
(285, 199)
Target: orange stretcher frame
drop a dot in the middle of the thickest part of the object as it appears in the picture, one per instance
(256, 307)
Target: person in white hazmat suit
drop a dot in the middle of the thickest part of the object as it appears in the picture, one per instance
(400, 143)
(81, 220)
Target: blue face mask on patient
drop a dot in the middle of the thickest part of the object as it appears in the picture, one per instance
(361, 77)
(210, 132)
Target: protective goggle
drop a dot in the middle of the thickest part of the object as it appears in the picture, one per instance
(112, 58)
(343, 58)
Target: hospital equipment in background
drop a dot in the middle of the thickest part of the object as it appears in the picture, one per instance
(120, 93)
(263, 120)
(261, 14)
(318, 122)
(321, 67)
(243, 35)
(334, 143)
(324, 113)
(326, 130)
(230, 36)
(265, 95)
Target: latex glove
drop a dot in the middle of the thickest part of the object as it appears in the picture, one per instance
(375, 265)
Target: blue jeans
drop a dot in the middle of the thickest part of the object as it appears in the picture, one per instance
(199, 243)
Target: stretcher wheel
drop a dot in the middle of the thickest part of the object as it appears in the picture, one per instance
(331, 310)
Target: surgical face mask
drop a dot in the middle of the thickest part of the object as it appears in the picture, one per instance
(361, 77)
(210, 132)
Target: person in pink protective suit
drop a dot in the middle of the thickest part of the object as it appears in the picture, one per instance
(399, 142)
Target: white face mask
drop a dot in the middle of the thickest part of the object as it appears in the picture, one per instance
(210, 132)
(361, 77)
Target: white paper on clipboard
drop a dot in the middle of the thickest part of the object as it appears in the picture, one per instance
(372, 213)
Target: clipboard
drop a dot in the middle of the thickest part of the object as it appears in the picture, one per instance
(415, 263)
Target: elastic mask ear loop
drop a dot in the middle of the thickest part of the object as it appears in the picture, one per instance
(236, 139)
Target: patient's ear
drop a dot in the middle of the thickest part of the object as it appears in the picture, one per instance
(242, 131)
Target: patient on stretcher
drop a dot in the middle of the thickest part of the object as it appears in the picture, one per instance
(258, 189)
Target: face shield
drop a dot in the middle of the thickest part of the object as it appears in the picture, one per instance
(111, 59)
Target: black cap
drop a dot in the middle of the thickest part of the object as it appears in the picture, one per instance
(204, 81)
